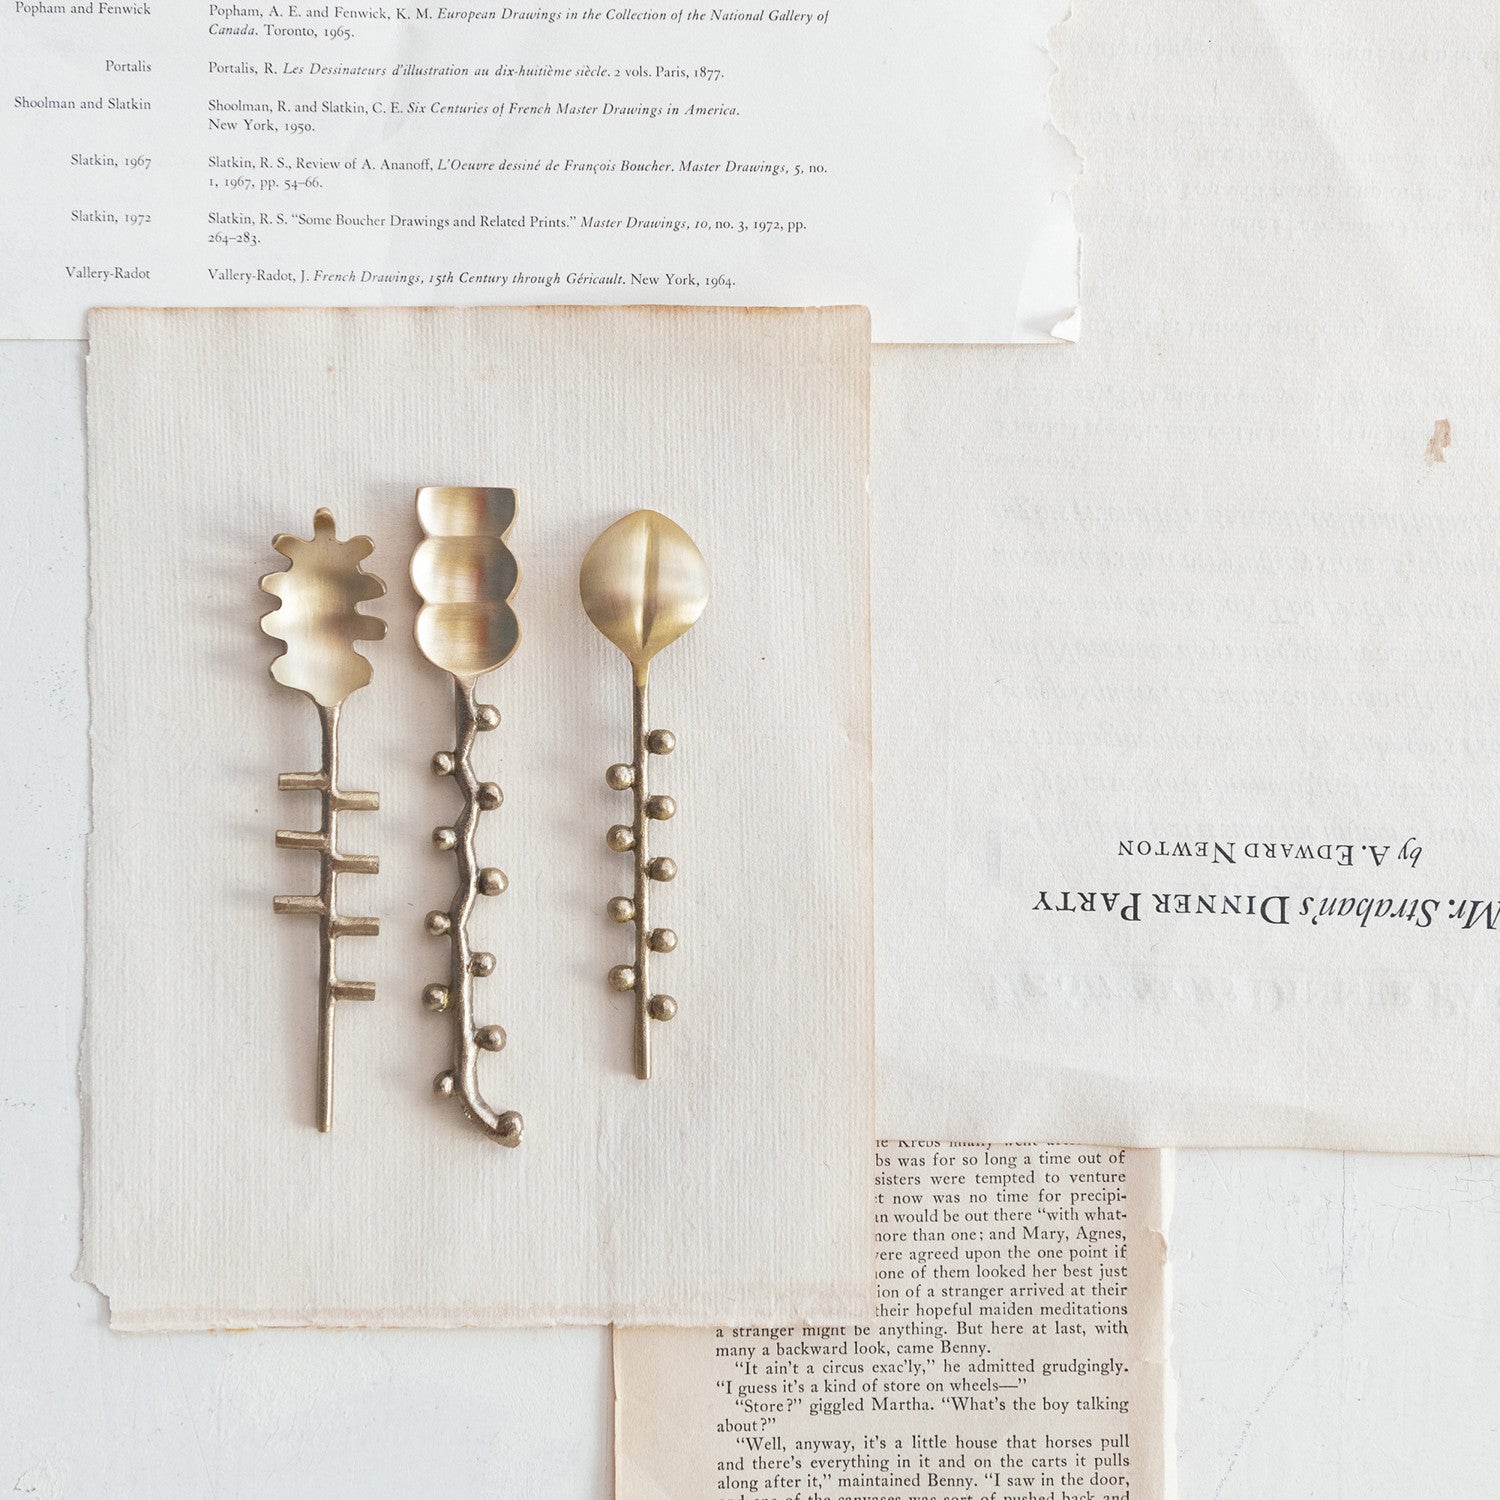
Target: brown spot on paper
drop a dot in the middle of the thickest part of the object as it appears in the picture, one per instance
(1442, 434)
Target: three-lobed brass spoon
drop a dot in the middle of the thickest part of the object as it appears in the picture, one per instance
(466, 575)
(643, 583)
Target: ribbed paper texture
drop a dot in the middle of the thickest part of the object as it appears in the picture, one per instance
(736, 1184)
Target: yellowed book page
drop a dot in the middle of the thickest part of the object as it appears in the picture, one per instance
(211, 1199)
(1018, 1349)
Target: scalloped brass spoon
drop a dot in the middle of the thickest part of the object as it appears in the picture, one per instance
(466, 575)
(643, 584)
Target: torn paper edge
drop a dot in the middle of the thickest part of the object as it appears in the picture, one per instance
(1167, 1181)
(1047, 304)
(1058, 242)
(85, 1269)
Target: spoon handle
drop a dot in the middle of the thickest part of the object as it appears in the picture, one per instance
(331, 864)
(634, 839)
(464, 964)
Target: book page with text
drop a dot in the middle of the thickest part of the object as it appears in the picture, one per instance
(1018, 1349)
(1187, 709)
(287, 152)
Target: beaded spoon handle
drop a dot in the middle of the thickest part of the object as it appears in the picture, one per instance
(643, 583)
(466, 575)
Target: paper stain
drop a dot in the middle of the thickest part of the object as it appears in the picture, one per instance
(1442, 435)
(43, 1481)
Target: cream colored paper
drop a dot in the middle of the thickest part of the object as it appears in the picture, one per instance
(738, 1180)
(1224, 572)
(867, 151)
(1018, 1348)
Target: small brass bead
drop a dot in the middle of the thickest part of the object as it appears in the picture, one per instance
(445, 838)
(622, 978)
(662, 868)
(442, 764)
(508, 1128)
(491, 1038)
(660, 808)
(482, 965)
(442, 1085)
(438, 923)
(489, 796)
(661, 742)
(662, 940)
(620, 778)
(620, 838)
(661, 1007)
(487, 716)
(621, 909)
(435, 998)
(492, 881)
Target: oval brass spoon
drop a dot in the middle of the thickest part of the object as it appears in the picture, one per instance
(643, 584)
(466, 575)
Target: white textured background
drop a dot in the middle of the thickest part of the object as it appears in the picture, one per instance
(1336, 1316)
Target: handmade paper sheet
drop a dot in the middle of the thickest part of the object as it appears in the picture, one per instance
(1185, 637)
(737, 1181)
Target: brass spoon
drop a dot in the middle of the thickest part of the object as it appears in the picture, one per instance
(466, 575)
(318, 618)
(643, 583)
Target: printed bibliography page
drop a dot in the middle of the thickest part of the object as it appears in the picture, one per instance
(289, 152)
(1018, 1349)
